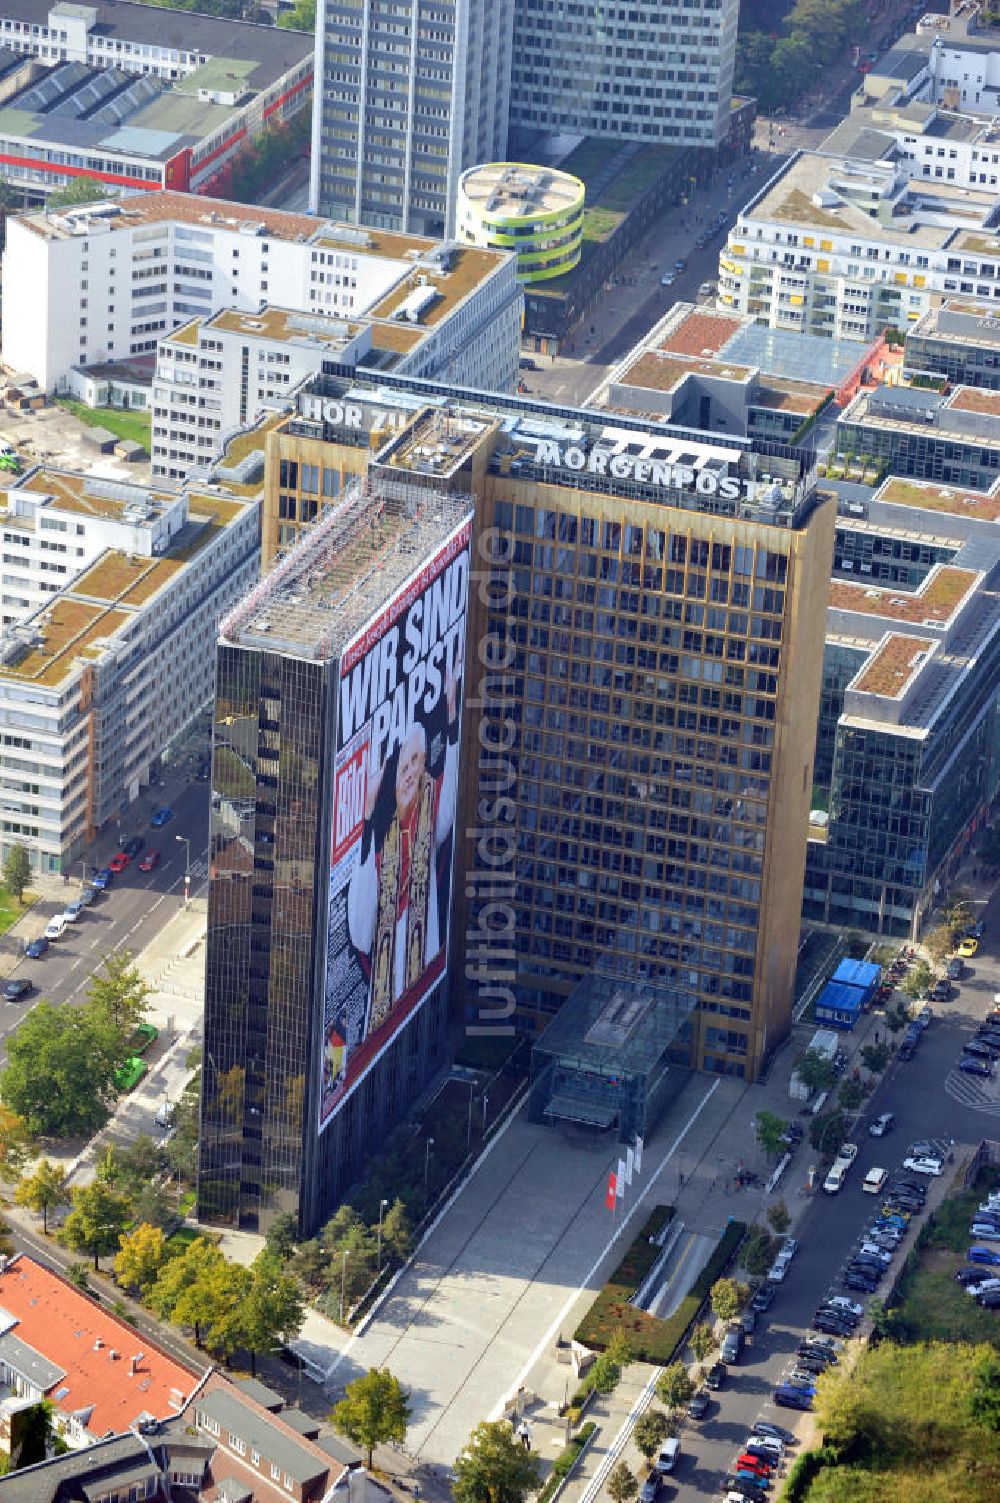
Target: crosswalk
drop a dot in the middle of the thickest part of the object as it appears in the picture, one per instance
(978, 1095)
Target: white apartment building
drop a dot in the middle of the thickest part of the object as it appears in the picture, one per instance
(407, 97)
(98, 680)
(107, 281)
(645, 71)
(141, 38)
(845, 246)
(215, 376)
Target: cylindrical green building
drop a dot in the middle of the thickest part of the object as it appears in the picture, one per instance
(535, 211)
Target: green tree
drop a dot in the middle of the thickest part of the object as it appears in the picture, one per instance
(142, 1253)
(283, 1236)
(895, 1019)
(17, 871)
(312, 1264)
(82, 190)
(984, 1400)
(60, 1071)
(302, 16)
(815, 1071)
(826, 1133)
(79, 1276)
(880, 1316)
(397, 1231)
(725, 1300)
(674, 1386)
(43, 1190)
(273, 1309)
(622, 1484)
(702, 1341)
(850, 1095)
(15, 1143)
(757, 1252)
(779, 1218)
(651, 1430)
(119, 992)
(189, 1289)
(494, 1467)
(918, 980)
(768, 1129)
(939, 943)
(619, 1349)
(876, 1057)
(181, 1150)
(95, 1224)
(605, 1375)
(229, 1289)
(375, 1409)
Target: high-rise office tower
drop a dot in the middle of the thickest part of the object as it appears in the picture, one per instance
(641, 71)
(637, 769)
(406, 97)
(334, 788)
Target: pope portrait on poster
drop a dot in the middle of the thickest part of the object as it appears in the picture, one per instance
(393, 835)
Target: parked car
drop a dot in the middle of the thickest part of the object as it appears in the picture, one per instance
(36, 948)
(650, 1490)
(967, 948)
(882, 1125)
(732, 1344)
(954, 970)
(55, 928)
(161, 817)
(701, 1400)
(941, 991)
(874, 1180)
(17, 988)
(990, 1300)
(102, 879)
(764, 1298)
(764, 1427)
(990, 1255)
(924, 1166)
(73, 910)
(150, 861)
(791, 1398)
(667, 1459)
(716, 1376)
(850, 1306)
(525, 364)
(118, 863)
(748, 1320)
(924, 1017)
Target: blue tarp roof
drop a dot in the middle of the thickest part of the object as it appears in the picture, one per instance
(838, 998)
(858, 973)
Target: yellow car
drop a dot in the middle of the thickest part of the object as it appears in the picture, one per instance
(968, 948)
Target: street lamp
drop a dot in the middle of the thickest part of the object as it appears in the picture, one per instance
(381, 1207)
(486, 1102)
(187, 866)
(427, 1164)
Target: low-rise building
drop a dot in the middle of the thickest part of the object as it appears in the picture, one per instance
(106, 282)
(99, 1375)
(137, 97)
(960, 340)
(907, 761)
(952, 437)
(98, 679)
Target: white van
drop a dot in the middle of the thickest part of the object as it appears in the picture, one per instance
(874, 1180)
(836, 1177)
(667, 1459)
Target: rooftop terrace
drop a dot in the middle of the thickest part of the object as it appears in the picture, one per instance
(935, 603)
(892, 665)
(930, 495)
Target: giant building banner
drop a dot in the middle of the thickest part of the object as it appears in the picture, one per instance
(398, 732)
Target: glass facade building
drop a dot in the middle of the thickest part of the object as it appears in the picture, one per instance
(285, 1124)
(660, 628)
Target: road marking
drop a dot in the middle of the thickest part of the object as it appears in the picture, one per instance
(550, 1334)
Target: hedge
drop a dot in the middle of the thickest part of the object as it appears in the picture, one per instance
(611, 1310)
(651, 1339)
(566, 1460)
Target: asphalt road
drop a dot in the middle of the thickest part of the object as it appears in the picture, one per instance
(930, 1100)
(132, 910)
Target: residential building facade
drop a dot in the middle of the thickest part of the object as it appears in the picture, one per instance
(99, 678)
(960, 341)
(410, 96)
(650, 72)
(109, 281)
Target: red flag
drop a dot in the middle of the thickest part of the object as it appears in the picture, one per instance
(612, 1195)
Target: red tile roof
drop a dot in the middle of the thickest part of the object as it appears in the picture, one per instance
(74, 1333)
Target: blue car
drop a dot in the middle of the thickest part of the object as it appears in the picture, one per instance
(791, 1398)
(973, 1066)
(756, 1477)
(102, 879)
(161, 817)
(988, 1255)
(37, 948)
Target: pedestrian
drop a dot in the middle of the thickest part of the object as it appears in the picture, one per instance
(522, 1433)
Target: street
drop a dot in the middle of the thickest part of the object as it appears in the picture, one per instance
(133, 909)
(930, 1100)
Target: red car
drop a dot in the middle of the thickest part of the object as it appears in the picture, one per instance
(119, 862)
(753, 1464)
(149, 861)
